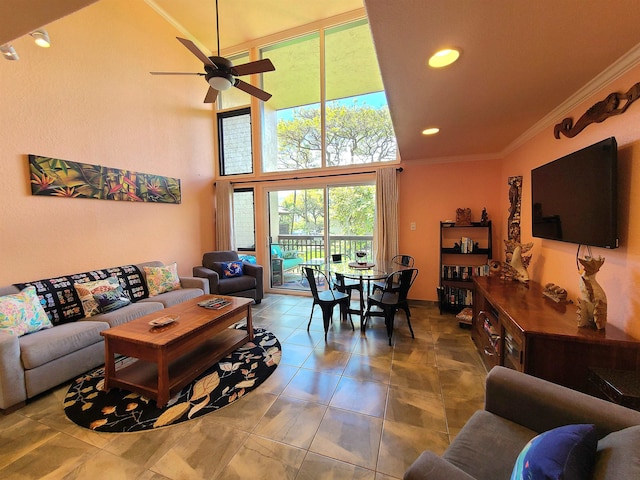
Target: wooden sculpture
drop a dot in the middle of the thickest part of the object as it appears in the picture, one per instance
(518, 258)
(614, 104)
(592, 306)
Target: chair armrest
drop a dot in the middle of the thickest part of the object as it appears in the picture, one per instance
(12, 386)
(209, 274)
(541, 405)
(256, 271)
(429, 466)
(195, 282)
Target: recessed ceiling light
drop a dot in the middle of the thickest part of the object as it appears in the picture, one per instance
(9, 52)
(41, 38)
(430, 131)
(444, 57)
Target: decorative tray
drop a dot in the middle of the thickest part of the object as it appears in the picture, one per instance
(162, 321)
(361, 265)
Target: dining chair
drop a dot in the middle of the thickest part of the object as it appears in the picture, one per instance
(400, 260)
(327, 299)
(348, 286)
(391, 299)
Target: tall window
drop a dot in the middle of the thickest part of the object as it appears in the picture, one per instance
(234, 137)
(352, 109)
(244, 219)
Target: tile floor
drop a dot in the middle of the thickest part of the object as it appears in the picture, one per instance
(351, 408)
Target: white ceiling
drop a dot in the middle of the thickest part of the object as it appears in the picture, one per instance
(521, 62)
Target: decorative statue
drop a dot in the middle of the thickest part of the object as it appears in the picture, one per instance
(515, 268)
(592, 306)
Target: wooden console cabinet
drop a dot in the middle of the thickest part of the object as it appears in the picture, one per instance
(514, 325)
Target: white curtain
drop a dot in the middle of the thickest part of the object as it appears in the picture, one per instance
(224, 216)
(385, 231)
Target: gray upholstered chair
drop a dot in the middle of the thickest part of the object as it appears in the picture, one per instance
(249, 284)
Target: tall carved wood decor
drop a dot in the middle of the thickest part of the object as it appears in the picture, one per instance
(614, 104)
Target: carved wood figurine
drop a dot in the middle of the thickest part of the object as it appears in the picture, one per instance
(592, 306)
(515, 267)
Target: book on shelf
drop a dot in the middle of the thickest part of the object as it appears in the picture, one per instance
(455, 296)
(464, 272)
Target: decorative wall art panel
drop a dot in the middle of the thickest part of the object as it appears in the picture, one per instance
(62, 178)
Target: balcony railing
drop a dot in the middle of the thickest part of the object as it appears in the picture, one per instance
(312, 246)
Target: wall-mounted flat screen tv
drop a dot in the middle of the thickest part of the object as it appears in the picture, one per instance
(574, 198)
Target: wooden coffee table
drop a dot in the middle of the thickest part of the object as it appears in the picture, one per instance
(171, 356)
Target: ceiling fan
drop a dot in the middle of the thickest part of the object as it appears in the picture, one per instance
(221, 74)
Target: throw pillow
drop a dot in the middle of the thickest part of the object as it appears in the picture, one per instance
(22, 313)
(232, 269)
(564, 453)
(162, 279)
(87, 290)
(111, 300)
(290, 254)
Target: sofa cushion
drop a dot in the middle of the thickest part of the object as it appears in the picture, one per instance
(47, 345)
(175, 296)
(22, 313)
(86, 291)
(130, 312)
(231, 269)
(618, 455)
(563, 453)
(487, 446)
(162, 279)
(237, 284)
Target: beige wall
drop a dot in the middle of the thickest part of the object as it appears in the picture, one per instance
(90, 98)
(432, 193)
(555, 261)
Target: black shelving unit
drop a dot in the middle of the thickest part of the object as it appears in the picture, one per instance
(465, 251)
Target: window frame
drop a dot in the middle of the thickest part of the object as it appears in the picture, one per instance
(221, 116)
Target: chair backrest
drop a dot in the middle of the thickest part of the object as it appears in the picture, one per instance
(400, 282)
(404, 260)
(208, 259)
(311, 273)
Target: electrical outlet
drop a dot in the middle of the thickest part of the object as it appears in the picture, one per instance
(413, 225)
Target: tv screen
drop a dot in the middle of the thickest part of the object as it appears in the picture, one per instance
(574, 198)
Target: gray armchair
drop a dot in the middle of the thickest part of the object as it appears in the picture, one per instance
(517, 408)
(249, 284)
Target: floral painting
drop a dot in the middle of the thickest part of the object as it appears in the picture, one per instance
(63, 178)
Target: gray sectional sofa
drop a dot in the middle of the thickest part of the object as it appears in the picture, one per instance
(36, 362)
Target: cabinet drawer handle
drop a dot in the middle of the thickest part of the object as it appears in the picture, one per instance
(488, 352)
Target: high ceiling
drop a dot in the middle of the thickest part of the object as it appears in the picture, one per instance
(522, 61)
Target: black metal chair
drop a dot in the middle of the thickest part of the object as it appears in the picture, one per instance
(327, 299)
(401, 260)
(348, 286)
(391, 299)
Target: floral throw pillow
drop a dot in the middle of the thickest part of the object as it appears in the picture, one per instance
(162, 279)
(232, 269)
(87, 290)
(22, 313)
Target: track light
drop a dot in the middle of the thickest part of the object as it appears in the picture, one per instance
(9, 52)
(41, 38)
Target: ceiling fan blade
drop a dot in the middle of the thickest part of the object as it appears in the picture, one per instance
(175, 73)
(212, 95)
(251, 90)
(196, 51)
(259, 66)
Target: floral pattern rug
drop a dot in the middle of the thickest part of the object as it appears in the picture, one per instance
(87, 405)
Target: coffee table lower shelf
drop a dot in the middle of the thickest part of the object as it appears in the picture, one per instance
(142, 376)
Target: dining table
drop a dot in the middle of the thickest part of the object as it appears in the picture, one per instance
(365, 273)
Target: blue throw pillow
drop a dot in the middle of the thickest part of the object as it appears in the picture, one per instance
(231, 269)
(564, 453)
(111, 300)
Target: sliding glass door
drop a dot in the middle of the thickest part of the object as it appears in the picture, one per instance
(307, 226)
